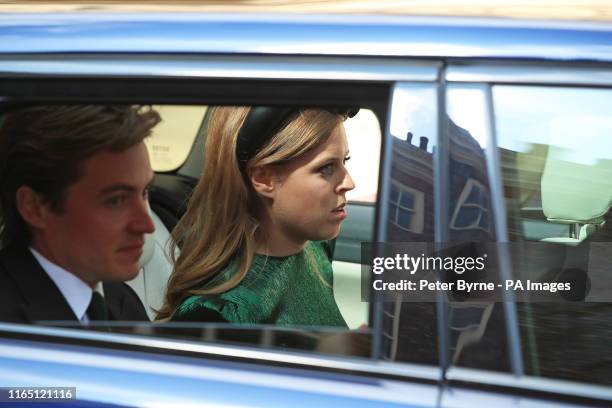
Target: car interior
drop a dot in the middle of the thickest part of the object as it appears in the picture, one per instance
(175, 178)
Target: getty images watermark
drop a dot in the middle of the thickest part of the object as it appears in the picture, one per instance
(472, 271)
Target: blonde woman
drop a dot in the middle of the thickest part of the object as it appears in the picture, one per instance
(254, 238)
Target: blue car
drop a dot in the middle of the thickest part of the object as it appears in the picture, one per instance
(493, 135)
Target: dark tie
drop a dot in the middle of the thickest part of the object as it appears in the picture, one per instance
(97, 308)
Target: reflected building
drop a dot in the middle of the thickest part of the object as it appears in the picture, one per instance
(413, 332)
(411, 202)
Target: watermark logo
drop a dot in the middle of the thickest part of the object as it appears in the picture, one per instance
(484, 272)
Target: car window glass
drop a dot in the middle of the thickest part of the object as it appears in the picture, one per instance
(175, 138)
(172, 140)
(364, 138)
(476, 325)
(556, 157)
(363, 134)
(409, 328)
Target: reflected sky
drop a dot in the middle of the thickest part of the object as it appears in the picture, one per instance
(576, 121)
(414, 110)
(467, 108)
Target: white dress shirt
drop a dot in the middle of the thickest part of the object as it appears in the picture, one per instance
(76, 292)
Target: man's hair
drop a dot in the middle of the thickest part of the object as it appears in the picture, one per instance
(44, 147)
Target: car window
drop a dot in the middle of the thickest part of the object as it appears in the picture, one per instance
(421, 168)
(168, 152)
(168, 146)
(410, 324)
(556, 157)
(364, 138)
(476, 325)
(409, 328)
(171, 140)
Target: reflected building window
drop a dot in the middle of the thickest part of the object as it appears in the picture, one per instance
(406, 208)
(472, 209)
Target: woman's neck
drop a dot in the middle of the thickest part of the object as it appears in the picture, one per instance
(271, 241)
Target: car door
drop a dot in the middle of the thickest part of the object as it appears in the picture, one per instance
(177, 80)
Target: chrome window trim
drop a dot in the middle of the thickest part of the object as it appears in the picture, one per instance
(441, 198)
(530, 74)
(538, 384)
(498, 216)
(498, 207)
(382, 214)
(221, 66)
(253, 355)
(498, 202)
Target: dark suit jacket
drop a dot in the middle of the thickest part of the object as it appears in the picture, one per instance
(28, 295)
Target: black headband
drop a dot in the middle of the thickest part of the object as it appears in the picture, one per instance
(262, 122)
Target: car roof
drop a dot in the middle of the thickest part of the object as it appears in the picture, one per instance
(297, 34)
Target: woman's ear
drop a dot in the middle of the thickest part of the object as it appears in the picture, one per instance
(263, 180)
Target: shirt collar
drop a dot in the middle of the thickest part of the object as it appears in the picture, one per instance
(75, 291)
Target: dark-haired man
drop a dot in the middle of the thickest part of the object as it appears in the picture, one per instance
(73, 211)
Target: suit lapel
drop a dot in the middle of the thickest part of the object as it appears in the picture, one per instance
(114, 304)
(42, 299)
(123, 303)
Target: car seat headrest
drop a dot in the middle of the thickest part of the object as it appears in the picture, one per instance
(575, 192)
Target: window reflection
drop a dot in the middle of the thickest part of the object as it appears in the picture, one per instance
(472, 209)
(556, 154)
(476, 330)
(406, 208)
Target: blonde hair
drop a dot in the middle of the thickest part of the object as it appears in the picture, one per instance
(221, 219)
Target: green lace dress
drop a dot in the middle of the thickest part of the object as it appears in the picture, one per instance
(286, 291)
